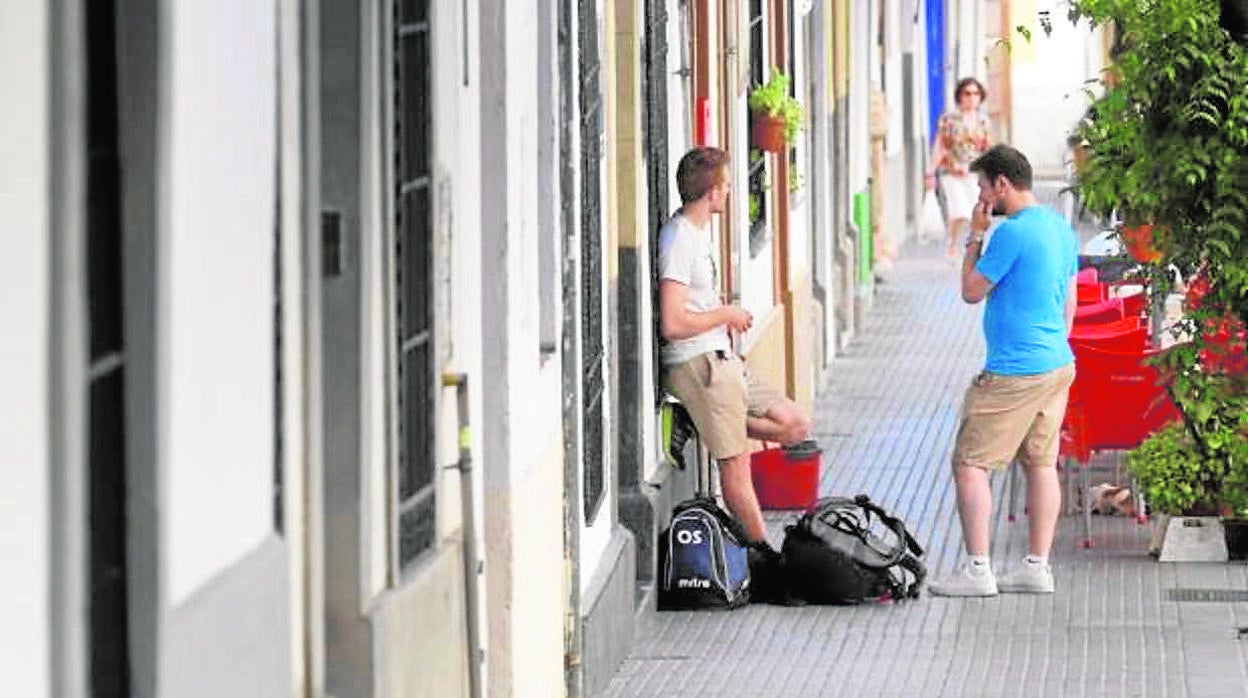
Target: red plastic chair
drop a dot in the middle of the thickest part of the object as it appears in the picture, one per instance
(1135, 304)
(1108, 310)
(1127, 334)
(1116, 402)
(1090, 293)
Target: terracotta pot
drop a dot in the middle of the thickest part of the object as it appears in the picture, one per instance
(1140, 244)
(767, 133)
(1081, 156)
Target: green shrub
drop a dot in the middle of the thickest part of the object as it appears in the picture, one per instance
(774, 99)
(1167, 143)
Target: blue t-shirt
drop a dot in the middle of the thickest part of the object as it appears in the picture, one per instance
(1030, 259)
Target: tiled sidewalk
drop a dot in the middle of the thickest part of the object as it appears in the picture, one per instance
(886, 421)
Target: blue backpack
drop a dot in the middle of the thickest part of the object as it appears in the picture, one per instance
(702, 559)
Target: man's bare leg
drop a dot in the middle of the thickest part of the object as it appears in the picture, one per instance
(1044, 505)
(974, 507)
(975, 577)
(734, 476)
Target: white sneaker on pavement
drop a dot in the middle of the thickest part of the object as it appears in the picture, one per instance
(1028, 578)
(966, 580)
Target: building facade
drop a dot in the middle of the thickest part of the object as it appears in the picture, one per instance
(332, 364)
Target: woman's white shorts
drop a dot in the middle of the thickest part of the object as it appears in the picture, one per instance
(961, 193)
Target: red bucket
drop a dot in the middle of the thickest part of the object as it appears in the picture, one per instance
(786, 478)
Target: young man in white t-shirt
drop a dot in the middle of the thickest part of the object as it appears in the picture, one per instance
(727, 405)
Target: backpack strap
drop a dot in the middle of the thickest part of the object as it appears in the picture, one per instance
(914, 566)
(891, 521)
(848, 523)
(726, 521)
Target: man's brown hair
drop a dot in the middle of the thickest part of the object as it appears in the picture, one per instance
(700, 170)
(1003, 161)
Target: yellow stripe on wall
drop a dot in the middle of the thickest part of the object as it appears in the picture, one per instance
(1023, 13)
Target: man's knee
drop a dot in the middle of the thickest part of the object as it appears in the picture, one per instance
(970, 471)
(803, 427)
(795, 424)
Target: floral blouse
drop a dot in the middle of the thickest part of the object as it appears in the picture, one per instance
(962, 143)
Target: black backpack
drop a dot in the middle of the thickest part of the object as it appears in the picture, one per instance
(702, 559)
(850, 551)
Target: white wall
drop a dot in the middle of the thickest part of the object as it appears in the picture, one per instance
(458, 120)
(522, 400)
(801, 210)
(970, 32)
(895, 96)
(24, 529)
(861, 68)
(215, 320)
(1048, 80)
(536, 385)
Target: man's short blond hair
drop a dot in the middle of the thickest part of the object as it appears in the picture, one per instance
(699, 171)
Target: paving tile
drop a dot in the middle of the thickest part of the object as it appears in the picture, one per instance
(886, 419)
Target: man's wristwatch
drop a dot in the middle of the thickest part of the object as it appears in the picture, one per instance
(974, 239)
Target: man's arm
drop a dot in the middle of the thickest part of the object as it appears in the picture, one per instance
(1072, 302)
(975, 286)
(678, 322)
(938, 156)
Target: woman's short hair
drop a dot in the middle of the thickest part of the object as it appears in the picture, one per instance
(700, 170)
(966, 82)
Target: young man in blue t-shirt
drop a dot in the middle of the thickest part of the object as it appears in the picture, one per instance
(1014, 407)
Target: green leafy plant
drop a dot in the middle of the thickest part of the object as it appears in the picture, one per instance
(774, 99)
(755, 207)
(1167, 143)
(1173, 475)
(796, 180)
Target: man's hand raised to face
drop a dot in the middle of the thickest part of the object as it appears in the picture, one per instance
(981, 217)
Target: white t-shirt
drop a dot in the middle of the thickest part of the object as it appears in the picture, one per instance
(687, 255)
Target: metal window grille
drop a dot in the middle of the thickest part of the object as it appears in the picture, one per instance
(414, 280)
(592, 349)
(655, 129)
(278, 379)
(568, 251)
(758, 188)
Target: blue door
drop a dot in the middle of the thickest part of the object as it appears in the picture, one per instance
(935, 20)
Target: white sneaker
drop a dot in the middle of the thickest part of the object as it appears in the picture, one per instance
(1028, 578)
(966, 581)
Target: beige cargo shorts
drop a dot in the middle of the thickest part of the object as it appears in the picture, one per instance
(1007, 417)
(719, 393)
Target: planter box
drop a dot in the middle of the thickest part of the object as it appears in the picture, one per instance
(1193, 539)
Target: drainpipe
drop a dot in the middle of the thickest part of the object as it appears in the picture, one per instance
(472, 563)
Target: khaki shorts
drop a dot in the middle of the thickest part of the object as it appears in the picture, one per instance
(719, 393)
(1008, 417)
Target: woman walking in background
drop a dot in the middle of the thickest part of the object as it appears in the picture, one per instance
(961, 136)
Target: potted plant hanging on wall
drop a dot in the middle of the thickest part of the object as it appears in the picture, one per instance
(776, 115)
(1141, 242)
